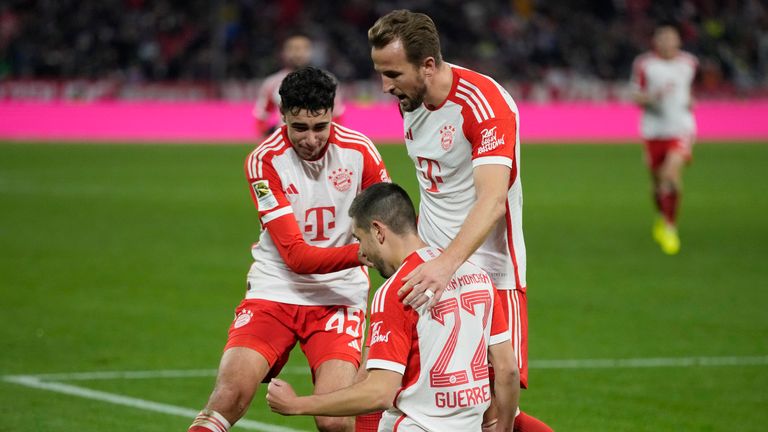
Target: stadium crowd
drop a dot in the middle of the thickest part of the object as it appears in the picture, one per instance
(567, 48)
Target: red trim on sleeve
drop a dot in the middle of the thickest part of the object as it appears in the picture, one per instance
(490, 123)
(638, 70)
(303, 258)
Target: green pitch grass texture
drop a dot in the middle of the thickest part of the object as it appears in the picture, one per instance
(133, 257)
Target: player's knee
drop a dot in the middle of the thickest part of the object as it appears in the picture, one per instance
(231, 399)
(335, 424)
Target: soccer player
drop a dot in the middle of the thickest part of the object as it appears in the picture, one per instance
(462, 132)
(662, 82)
(296, 53)
(306, 283)
(428, 368)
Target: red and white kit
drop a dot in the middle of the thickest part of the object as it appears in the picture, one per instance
(303, 206)
(669, 82)
(306, 278)
(426, 347)
(478, 124)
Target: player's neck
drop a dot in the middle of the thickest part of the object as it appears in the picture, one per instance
(406, 245)
(440, 86)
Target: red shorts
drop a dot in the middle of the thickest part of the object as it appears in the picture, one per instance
(515, 307)
(272, 329)
(656, 150)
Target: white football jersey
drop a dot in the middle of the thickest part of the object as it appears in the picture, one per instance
(442, 353)
(478, 124)
(317, 194)
(670, 81)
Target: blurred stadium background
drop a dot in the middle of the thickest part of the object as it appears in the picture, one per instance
(121, 264)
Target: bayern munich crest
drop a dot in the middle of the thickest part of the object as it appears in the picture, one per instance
(243, 318)
(446, 137)
(341, 179)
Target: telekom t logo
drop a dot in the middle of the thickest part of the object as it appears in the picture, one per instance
(321, 224)
(431, 173)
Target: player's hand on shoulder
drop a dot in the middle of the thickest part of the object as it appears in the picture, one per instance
(281, 397)
(425, 283)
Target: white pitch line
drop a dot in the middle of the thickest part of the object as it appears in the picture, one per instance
(48, 381)
(35, 382)
(110, 375)
(535, 364)
(649, 362)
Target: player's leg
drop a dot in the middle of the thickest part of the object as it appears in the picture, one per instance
(655, 152)
(256, 345)
(331, 339)
(330, 376)
(240, 372)
(670, 191)
(671, 184)
(515, 305)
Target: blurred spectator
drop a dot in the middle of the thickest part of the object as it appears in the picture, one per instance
(525, 44)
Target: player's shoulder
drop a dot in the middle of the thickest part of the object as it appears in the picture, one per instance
(274, 145)
(387, 293)
(344, 134)
(481, 93)
(688, 58)
(644, 58)
(345, 137)
(471, 82)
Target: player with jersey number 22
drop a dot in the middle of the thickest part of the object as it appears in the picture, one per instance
(461, 131)
(427, 368)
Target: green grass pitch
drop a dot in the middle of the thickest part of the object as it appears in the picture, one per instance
(133, 257)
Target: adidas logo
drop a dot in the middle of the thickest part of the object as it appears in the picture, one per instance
(291, 190)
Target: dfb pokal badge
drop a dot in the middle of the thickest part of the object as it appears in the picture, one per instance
(341, 179)
(446, 137)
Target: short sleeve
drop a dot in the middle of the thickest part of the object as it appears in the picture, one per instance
(392, 325)
(266, 189)
(494, 140)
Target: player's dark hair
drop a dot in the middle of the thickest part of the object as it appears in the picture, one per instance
(416, 31)
(385, 202)
(307, 88)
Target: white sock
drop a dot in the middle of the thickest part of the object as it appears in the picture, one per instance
(212, 420)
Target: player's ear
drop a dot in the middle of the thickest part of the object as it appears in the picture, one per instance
(378, 231)
(430, 65)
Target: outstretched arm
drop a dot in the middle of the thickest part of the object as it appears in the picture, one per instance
(375, 393)
(303, 258)
(491, 185)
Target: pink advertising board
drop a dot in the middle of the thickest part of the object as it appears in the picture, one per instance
(214, 122)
